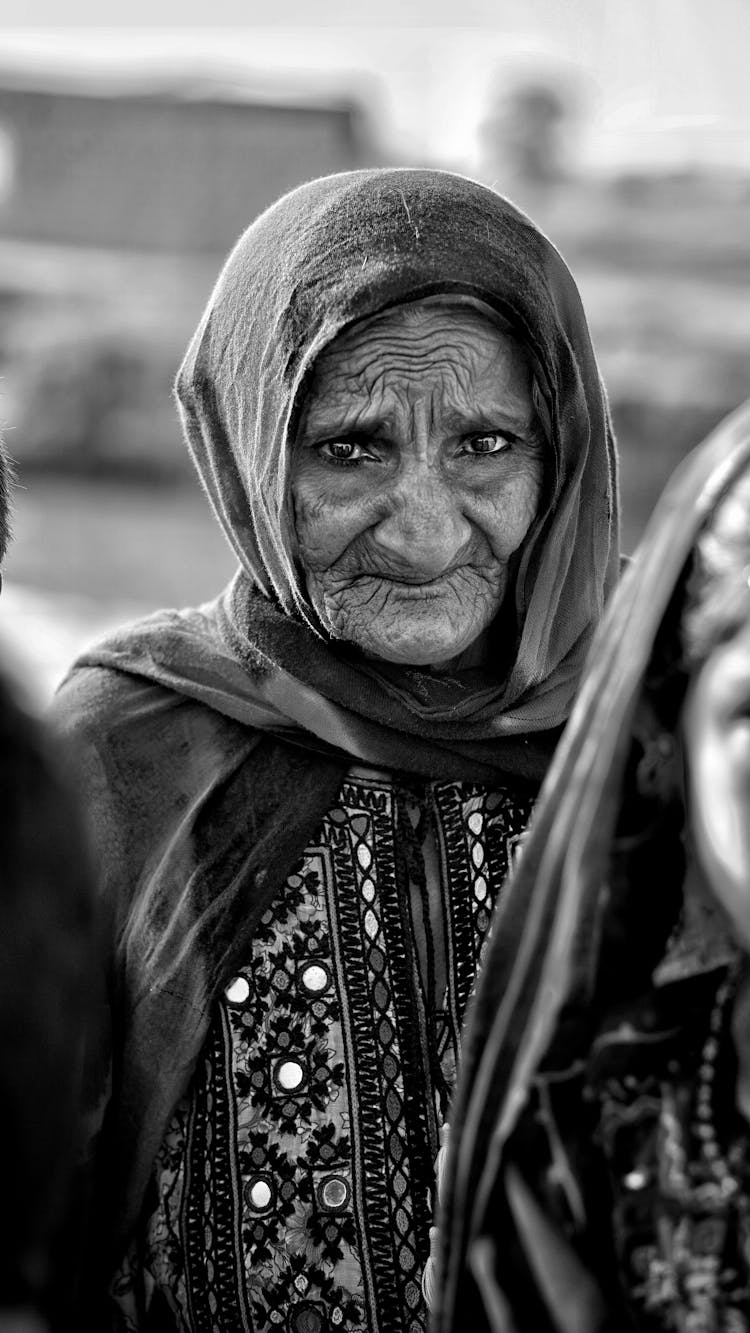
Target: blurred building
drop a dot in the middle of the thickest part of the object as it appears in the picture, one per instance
(181, 166)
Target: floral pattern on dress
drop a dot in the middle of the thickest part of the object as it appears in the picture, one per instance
(295, 1185)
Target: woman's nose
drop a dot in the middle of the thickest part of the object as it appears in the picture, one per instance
(424, 532)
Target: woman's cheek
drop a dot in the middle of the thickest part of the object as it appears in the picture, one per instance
(506, 514)
(327, 522)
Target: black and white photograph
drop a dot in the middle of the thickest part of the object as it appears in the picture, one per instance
(375, 667)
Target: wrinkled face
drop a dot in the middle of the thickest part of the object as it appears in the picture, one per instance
(416, 475)
(716, 724)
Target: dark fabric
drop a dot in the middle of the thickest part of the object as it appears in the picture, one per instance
(586, 1127)
(556, 956)
(46, 996)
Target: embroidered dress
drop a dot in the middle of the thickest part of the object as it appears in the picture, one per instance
(294, 1188)
(676, 1150)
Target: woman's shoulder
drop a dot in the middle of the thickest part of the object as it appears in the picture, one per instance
(141, 755)
(135, 731)
(155, 675)
(95, 702)
(121, 729)
(127, 720)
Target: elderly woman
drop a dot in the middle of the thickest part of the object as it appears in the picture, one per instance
(306, 794)
(601, 1171)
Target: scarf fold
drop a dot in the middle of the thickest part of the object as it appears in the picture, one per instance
(233, 654)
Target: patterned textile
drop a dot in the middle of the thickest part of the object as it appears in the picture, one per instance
(682, 1239)
(611, 814)
(295, 1186)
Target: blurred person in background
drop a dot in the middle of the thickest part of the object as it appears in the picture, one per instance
(46, 969)
(306, 793)
(599, 1176)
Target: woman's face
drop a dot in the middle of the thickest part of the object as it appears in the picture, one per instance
(416, 475)
(716, 725)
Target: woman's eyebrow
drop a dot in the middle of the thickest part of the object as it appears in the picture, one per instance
(474, 419)
(325, 423)
(358, 422)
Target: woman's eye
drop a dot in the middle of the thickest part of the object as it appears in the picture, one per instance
(341, 451)
(490, 442)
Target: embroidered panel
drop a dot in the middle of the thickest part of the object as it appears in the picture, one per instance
(676, 1152)
(294, 1189)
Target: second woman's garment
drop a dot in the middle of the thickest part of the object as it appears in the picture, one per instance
(295, 1185)
(605, 892)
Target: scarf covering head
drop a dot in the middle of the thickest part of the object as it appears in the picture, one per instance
(541, 980)
(332, 252)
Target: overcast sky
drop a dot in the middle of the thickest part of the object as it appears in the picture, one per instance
(660, 81)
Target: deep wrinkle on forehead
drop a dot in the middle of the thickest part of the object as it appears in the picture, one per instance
(387, 365)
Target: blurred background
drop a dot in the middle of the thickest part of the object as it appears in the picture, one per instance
(132, 157)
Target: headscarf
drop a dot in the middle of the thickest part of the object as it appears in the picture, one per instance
(540, 986)
(332, 252)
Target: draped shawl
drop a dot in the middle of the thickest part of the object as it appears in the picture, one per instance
(540, 977)
(211, 741)
(332, 252)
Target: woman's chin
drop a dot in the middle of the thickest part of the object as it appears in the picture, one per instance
(415, 626)
(427, 651)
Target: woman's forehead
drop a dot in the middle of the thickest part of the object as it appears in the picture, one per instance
(454, 352)
(437, 325)
(445, 355)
